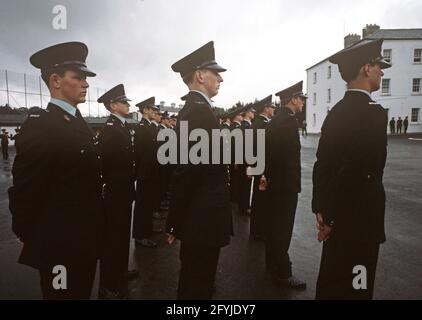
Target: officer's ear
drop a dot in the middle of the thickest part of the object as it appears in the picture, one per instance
(55, 80)
(367, 69)
(199, 75)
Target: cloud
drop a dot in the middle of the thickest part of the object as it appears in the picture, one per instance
(265, 45)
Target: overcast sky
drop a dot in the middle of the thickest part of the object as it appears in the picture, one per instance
(265, 45)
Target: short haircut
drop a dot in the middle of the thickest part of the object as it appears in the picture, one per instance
(46, 74)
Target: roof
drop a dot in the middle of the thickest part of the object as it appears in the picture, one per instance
(387, 34)
(397, 34)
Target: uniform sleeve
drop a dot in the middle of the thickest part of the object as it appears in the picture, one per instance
(322, 171)
(30, 172)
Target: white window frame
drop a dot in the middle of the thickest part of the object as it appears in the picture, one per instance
(389, 87)
(314, 99)
(390, 58)
(417, 57)
(329, 95)
(413, 86)
(329, 72)
(418, 115)
(315, 77)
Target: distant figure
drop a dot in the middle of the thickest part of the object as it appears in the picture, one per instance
(304, 128)
(405, 124)
(5, 144)
(399, 125)
(392, 126)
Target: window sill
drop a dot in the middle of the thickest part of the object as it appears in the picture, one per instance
(386, 94)
(416, 94)
(414, 123)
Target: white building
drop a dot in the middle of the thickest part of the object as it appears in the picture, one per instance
(401, 87)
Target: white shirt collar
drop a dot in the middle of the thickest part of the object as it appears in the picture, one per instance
(123, 120)
(264, 116)
(149, 122)
(205, 97)
(65, 106)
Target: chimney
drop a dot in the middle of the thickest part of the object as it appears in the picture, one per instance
(162, 104)
(173, 105)
(351, 39)
(369, 29)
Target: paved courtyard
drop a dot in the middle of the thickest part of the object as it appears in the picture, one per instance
(241, 271)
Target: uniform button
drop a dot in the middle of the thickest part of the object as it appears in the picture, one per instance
(99, 157)
(369, 176)
(82, 151)
(101, 176)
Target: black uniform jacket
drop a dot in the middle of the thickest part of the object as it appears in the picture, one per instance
(347, 176)
(282, 167)
(146, 151)
(117, 152)
(56, 197)
(200, 210)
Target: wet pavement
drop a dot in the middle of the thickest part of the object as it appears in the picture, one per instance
(241, 271)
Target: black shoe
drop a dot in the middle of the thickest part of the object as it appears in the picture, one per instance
(106, 294)
(291, 282)
(146, 243)
(132, 274)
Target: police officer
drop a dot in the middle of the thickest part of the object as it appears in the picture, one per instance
(165, 172)
(247, 114)
(392, 126)
(265, 111)
(348, 193)
(200, 210)
(115, 142)
(146, 174)
(5, 144)
(225, 124)
(55, 200)
(405, 124)
(283, 173)
(235, 168)
(399, 125)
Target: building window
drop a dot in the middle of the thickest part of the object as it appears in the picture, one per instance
(386, 53)
(315, 77)
(416, 86)
(314, 120)
(417, 56)
(385, 86)
(329, 95)
(314, 100)
(329, 72)
(415, 115)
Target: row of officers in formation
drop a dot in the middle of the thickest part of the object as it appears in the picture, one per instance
(396, 127)
(72, 194)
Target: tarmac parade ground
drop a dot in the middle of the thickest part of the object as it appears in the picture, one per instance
(241, 271)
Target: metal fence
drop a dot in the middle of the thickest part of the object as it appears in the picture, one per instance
(24, 90)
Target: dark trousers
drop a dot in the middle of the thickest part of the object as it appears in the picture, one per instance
(335, 280)
(405, 129)
(146, 192)
(235, 188)
(244, 190)
(280, 221)
(79, 280)
(258, 210)
(398, 129)
(392, 130)
(115, 258)
(5, 151)
(197, 273)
